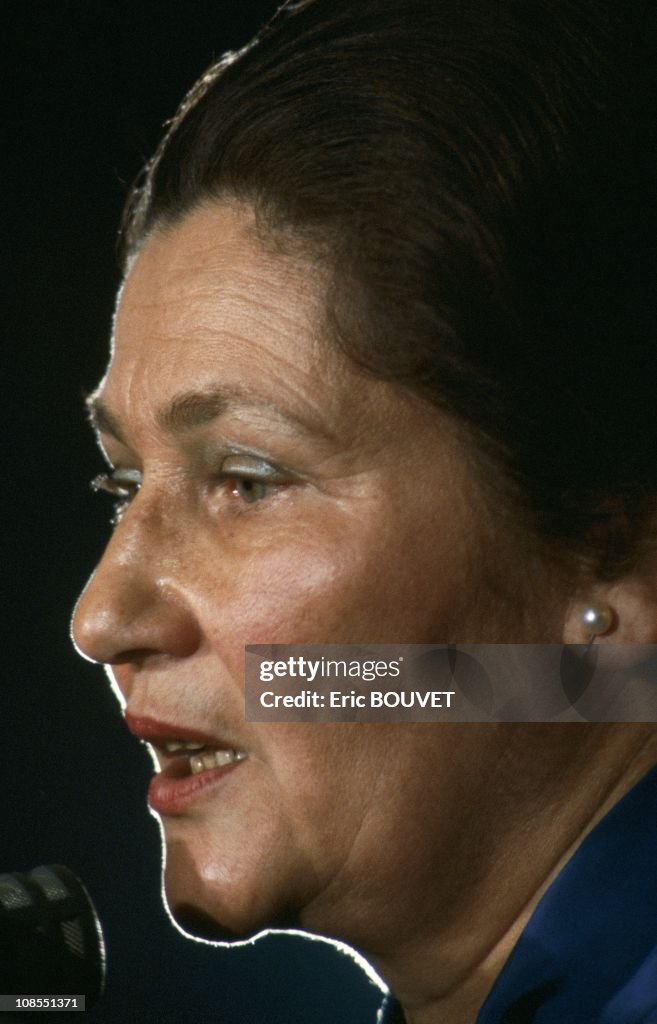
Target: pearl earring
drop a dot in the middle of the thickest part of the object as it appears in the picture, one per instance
(597, 620)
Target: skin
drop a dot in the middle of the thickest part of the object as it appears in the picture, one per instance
(309, 503)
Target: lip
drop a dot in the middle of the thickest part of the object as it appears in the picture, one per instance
(157, 732)
(169, 792)
(172, 796)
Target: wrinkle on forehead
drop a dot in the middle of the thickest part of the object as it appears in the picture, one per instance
(207, 308)
(206, 304)
(209, 273)
(221, 240)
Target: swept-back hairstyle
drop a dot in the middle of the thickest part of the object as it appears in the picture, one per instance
(479, 180)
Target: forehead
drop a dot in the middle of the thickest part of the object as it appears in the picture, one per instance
(207, 306)
(205, 299)
(217, 245)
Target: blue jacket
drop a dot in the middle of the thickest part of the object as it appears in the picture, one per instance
(589, 952)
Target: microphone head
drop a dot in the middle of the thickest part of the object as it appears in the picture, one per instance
(51, 941)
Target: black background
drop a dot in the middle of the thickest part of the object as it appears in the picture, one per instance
(89, 86)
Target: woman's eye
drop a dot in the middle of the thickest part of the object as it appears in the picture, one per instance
(249, 490)
(250, 479)
(122, 485)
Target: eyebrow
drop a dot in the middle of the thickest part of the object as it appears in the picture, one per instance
(100, 417)
(192, 409)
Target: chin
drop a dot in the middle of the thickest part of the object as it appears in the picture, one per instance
(209, 902)
(197, 923)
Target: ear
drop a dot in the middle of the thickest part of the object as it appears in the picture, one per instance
(629, 605)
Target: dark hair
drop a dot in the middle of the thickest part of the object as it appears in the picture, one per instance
(479, 177)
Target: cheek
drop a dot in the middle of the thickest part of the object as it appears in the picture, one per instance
(349, 579)
(283, 594)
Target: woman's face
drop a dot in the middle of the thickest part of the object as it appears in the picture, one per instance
(277, 495)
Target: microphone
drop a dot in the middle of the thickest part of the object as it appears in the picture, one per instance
(51, 941)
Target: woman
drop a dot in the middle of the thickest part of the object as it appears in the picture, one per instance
(381, 372)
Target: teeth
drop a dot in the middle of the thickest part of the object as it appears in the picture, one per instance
(175, 745)
(213, 759)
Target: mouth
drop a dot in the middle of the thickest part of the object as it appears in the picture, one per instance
(179, 759)
(189, 762)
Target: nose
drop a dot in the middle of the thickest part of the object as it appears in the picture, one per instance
(134, 606)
